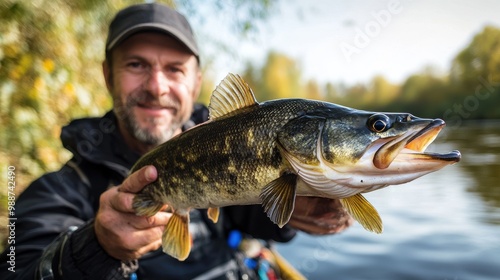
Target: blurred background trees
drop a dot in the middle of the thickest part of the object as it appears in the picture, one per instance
(481, 58)
(47, 76)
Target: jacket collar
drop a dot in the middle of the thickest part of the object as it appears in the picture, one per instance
(98, 140)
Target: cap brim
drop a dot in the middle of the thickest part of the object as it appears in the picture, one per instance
(153, 27)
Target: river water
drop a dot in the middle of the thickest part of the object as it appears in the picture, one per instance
(445, 225)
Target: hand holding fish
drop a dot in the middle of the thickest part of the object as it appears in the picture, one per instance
(122, 234)
(318, 215)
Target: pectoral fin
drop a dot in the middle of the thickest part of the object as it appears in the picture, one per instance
(363, 212)
(278, 198)
(176, 240)
(213, 214)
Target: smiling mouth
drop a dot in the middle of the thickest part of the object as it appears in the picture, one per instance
(156, 109)
(414, 143)
(151, 106)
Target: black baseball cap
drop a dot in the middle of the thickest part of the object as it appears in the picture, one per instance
(151, 17)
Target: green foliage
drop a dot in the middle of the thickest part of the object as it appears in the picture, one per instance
(243, 14)
(480, 58)
(207, 87)
(47, 77)
(280, 77)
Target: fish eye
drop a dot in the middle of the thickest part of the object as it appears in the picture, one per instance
(378, 123)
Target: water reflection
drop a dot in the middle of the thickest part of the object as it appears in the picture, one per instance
(479, 143)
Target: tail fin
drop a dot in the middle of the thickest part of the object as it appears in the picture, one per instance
(144, 205)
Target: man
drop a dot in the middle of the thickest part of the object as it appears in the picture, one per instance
(78, 223)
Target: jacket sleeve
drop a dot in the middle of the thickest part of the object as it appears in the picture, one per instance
(81, 257)
(44, 213)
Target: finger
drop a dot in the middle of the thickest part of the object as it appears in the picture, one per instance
(137, 180)
(121, 201)
(152, 246)
(160, 219)
(135, 244)
(313, 228)
(321, 226)
(317, 206)
(302, 226)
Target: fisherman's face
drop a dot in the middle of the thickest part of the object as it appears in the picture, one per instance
(154, 81)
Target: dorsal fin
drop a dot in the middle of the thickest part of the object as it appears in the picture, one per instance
(231, 94)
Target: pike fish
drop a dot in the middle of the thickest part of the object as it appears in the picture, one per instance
(268, 153)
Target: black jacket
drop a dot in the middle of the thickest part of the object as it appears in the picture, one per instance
(52, 207)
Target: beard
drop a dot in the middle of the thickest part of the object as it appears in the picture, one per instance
(148, 135)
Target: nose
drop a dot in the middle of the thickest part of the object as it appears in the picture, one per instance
(157, 83)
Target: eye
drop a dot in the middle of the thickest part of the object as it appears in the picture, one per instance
(174, 69)
(136, 66)
(378, 123)
(175, 72)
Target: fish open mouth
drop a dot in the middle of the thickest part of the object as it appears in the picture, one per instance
(413, 144)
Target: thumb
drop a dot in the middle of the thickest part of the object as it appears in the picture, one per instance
(139, 179)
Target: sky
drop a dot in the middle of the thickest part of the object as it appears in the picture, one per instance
(352, 41)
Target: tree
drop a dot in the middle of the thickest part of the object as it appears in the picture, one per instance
(281, 77)
(51, 51)
(313, 91)
(331, 93)
(481, 58)
(382, 91)
(423, 94)
(355, 96)
(253, 77)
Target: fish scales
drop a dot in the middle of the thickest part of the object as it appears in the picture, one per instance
(271, 152)
(200, 172)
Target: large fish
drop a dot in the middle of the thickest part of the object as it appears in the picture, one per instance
(268, 153)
